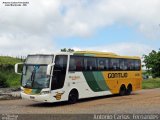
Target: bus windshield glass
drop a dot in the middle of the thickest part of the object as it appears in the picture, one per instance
(34, 71)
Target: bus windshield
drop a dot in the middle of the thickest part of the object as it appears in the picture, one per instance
(34, 71)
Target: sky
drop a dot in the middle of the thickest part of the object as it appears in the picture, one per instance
(125, 27)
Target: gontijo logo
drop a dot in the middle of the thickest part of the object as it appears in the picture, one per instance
(58, 95)
(117, 75)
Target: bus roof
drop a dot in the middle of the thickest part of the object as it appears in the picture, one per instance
(103, 54)
(92, 53)
(56, 53)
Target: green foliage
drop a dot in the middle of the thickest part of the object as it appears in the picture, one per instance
(8, 60)
(7, 63)
(67, 50)
(3, 81)
(152, 63)
(151, 83)
(8, 78)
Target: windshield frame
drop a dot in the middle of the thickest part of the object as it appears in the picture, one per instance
(29, 64)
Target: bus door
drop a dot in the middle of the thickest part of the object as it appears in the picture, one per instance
(59, 72)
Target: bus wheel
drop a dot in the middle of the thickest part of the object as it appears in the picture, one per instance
(73, 96)
(122, 90)
(129, 89)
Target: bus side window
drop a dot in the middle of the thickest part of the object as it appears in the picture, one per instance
(76, 63)
(110, 65)
(79, 65)
(72, 66)
(90, 63)
(60, 62)
(114, 64)
(130, 65)
(106, 64)
(137, 65)
(101, 63)
(121, 64)
(125, 64)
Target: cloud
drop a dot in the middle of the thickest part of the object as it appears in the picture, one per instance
(34, 28)
(26, 30)
(143, 14)
(23, 45)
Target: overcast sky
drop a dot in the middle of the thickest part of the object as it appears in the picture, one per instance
(126, 27)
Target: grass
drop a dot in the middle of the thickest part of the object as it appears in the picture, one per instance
(6, 60)
(151, 83)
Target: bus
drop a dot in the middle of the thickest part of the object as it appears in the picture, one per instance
(70, 76)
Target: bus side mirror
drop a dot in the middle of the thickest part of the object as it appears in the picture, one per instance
(49, 67)
(16, 68)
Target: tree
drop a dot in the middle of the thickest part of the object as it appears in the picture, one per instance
(67, 50)
(152, 63)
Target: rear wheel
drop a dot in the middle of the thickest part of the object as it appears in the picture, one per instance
(129, 89)
(122, 90)
(73, 97)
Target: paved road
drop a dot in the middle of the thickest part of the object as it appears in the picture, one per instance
(144, 101)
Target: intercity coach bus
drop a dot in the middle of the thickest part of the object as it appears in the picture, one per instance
(69, 76)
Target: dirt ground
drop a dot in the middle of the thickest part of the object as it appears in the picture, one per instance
(140, 102)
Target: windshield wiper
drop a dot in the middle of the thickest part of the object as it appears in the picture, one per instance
(33, 76)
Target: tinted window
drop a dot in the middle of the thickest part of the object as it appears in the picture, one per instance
(137, 65)
(60, 62)
(103, 63)
(80, 63)
(122, 64)
(76, 63)
(114, 64)
(90, 63)
(130, 65)
(59, 72)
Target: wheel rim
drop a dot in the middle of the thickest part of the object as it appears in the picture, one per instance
(122, 91)
(72, 98)
(129, 90)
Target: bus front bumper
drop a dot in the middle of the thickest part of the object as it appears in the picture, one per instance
(38, 98)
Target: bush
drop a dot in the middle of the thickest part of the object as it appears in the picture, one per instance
(8, 78)
(3, 81)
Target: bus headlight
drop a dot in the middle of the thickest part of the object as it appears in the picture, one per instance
(45, 92)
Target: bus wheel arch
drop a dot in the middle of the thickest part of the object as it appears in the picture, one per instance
(122, 90)
(73, 96)
(129, 89)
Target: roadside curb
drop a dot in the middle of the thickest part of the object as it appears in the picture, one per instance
(10, 96)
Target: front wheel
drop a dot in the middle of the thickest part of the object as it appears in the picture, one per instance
(73, 97)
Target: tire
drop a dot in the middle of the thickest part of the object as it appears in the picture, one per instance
(73, 97)
(122, 90)
(129, 90)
